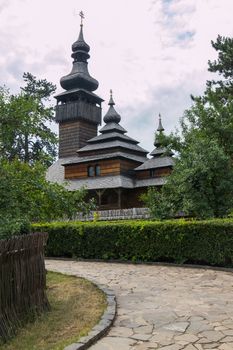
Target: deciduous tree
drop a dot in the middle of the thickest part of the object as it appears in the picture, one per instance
(201, 184)
(25, 118)
(25, 193)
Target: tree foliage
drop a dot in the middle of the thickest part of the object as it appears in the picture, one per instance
(24, 122)
(211, 115)
(224, 64)
(27, 147)
(26, 194)
(201, 184)
(156, 201)
(203, 180)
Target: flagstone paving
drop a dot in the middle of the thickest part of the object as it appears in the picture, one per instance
(162, 307)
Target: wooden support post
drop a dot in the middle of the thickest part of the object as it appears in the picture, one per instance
(119, 198)
(99, 197)
(99, 194)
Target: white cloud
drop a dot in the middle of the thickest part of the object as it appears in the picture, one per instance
(153, 54)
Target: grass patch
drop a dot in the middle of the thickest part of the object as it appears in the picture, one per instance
(76, 306)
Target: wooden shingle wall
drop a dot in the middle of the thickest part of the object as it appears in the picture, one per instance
(145, 174)
(107, 167)
(73, 135)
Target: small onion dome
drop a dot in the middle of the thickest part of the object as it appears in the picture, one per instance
(80, 44)
(160, 129)
(112, 116)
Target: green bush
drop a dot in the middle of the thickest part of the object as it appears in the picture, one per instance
(202, 242)
(13, 227)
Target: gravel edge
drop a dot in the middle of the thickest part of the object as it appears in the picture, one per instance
(102, 328)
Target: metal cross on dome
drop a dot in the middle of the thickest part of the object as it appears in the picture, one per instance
(81, 14)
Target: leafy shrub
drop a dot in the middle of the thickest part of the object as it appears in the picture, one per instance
(25, 192)
(206, 242)
(13, 227)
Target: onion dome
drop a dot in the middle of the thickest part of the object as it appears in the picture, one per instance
(80, 46)
(79, 77)
(160, 151)
(112, 116)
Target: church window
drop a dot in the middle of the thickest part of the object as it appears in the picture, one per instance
(97, 170)
(91, 171)
(152, 173)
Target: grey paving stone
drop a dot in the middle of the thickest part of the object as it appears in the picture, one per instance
(199, 326)
(212, 336)
(210, 346)
(172, 347)
(190, 338)
(141, 336)
(144, 329)
(227, 339)
(121, 332)
(226, 346)
(190, 347)
(109, 343)
(177, 326)
(146, 346)
(226, 331)
(198, 346)
(162, 307)
(163, 337)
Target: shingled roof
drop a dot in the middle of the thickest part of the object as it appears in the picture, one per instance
(153, 181)
(112, 136)
(155, 163)
(162, 157)
(116, 142)
(78, 160)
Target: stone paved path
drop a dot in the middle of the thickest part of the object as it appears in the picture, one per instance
(160, 307)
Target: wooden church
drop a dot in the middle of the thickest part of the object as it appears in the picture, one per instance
(110, 164)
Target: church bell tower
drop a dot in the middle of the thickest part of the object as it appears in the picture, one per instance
(78, 110)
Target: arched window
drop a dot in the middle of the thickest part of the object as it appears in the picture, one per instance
(97, 170)
(91, 171)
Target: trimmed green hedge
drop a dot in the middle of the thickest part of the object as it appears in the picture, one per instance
(202, 242)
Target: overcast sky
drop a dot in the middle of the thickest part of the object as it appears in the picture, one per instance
(152, 53)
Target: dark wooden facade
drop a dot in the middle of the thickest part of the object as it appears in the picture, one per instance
(150, 173)
(115, 198)
(118, 198)
(78, 109)
(107, 167)
(73, 134)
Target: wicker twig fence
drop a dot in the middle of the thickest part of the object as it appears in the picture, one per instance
(22, 281)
